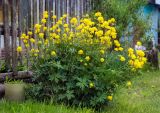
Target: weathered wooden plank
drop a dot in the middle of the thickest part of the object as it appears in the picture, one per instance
(20, 75)
(58, 9)
(81, 7)
(72, 8)
(40, 9)
(50, 9)
(14, 36)
(6, 32)
(19, 28)
(34, 12)
(29, 7)
(68, 10)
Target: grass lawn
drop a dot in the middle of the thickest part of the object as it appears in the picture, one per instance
(142, 97)
(29, 107)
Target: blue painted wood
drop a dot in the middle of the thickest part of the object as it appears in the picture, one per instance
(153, 11)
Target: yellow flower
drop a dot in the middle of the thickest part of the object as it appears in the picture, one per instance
(80, 52)
(54, 16)
(32, 40)
(122, 58)
(113, 20)
(116, 49)
(133, 56)
(32, 50)
(39, 42)
(131, 62)
(120, 49)
(102, 59)
(58, 30)
(100, 19)
(81, 60)
(130, 50)
(30, 33)
(65, 15)
(129, 84)
(91, 84)
(99, 33)
(85, 64)
(74, 21)
(37, 26)
(144, 59)
(110, 98)
(102, 51)
(140, 53)
(44, 28)
(139, 43)
(53, 53)
(87, 58)
(41, 35)
(35, 54)
(26, 45)
(65, 25)
(98, 14)
(43, 21)
(36, 50)
(45, 14)
(19, 49)
(25, 41)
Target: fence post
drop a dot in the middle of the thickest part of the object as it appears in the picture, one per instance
(14, 36)
(6, 32)
(20, 27)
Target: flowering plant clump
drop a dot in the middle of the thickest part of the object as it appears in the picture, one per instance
(78, 62)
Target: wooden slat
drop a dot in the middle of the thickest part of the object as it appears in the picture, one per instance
(19, 28)
(6, 32)
(40, 9)
(14, 36)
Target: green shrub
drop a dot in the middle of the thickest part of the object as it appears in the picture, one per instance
(80, 65)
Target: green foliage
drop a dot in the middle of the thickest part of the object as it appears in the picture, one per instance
(70, 84)
(128, 15)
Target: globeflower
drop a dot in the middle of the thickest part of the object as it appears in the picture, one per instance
(80, 52)
(87, 58)
(102, 59)
(130, 50)
(122, 58)
(53, 53)
(100, 19)
(102, 51)
(54, 16)
(91, 84)
(140, 53)
(74, 21)
(110, 98)
(32, 40)
(120, 49)
(99, 33)
(30, 33)
(129, 84)
(43, 21)
(19, 49)
(139, 43)
(98, 14)
(41, 35)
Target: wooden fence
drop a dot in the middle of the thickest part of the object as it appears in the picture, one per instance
(20, 15)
